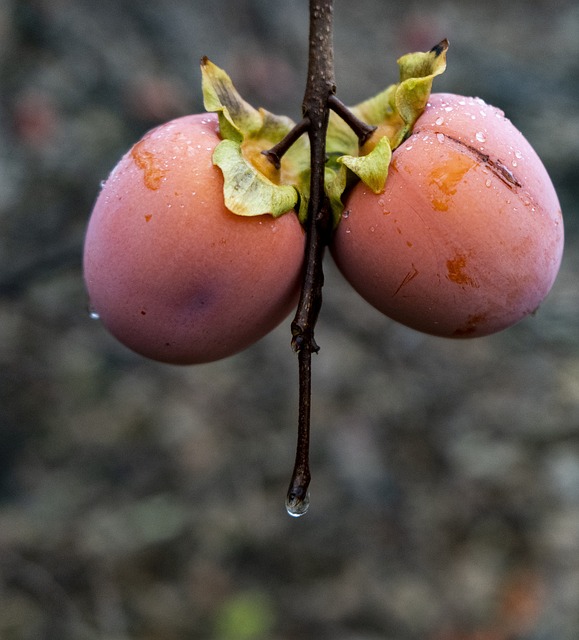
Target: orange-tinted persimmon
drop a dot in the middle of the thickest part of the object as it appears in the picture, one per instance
(172, 273)
(467, 237)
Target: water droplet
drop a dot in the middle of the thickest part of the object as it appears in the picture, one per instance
(439, 121)
(93, 313)
(480, 136)
(297, 507)
(514, 163)
(488, 183)
(346, 214)
(372, 229)
(440, 137)
(348, 230)
(518, 154)
(448, 109)
(102, 183)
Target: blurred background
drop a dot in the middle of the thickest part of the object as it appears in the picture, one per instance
(141, 501)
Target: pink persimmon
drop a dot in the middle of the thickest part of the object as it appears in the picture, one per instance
(172, 273)
(467, 237)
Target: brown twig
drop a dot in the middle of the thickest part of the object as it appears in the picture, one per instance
(319, 99)
(320, 87)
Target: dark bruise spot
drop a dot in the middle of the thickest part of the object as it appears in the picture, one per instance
(495, 165)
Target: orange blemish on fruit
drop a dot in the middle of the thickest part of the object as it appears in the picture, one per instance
(446, 178)
(456, 273)
(146, 161)
(148, 216)
(470, 325)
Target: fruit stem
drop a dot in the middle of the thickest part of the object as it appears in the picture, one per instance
(359, 127)
(275, 154)
(319, 99)
(320, 87)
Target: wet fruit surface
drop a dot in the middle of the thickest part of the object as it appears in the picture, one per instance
(467, 237)
(170, 271)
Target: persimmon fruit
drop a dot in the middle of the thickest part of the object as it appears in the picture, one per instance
(467, 237)
(171, 272)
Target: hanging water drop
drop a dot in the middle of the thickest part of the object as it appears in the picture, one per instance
(297, 506)
(480, 136)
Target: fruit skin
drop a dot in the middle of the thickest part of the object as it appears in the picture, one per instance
(171, 272)
(467, 237)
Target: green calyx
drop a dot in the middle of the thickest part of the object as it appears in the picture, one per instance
(394, 112)
(254, 186)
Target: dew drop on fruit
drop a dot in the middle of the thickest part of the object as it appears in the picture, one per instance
(297, 507)
(439, 121)
(93, 313)
(480, 136)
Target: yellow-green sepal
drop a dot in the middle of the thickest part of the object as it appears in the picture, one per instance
(252, 185)
(372, 168)
(396, 109)
(417, 71)
(246, 191)
(237, 118)
(393, 112)
(340, 141)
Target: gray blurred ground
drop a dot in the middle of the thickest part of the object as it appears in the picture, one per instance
(140, 501)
